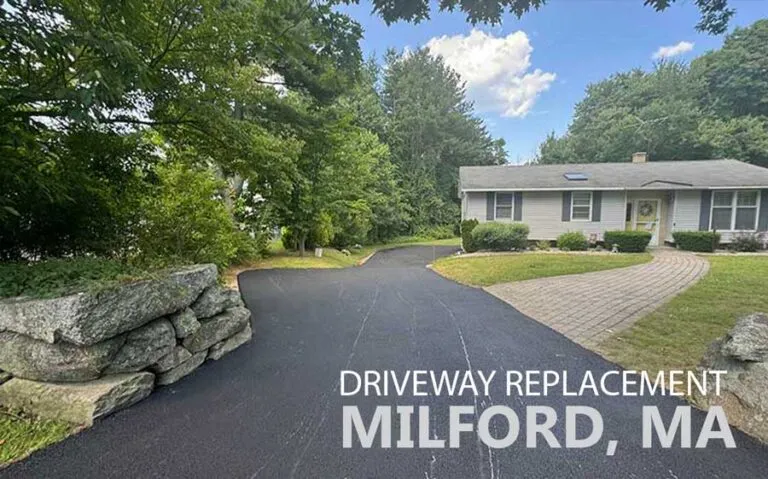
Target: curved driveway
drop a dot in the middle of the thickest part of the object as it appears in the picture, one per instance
(272, 409)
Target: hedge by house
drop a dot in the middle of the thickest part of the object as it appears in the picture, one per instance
(572, 241)
(701, 241)
(500, 236)
(627, 241)
(467, 243)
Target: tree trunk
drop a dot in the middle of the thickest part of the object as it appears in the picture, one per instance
(302, 244)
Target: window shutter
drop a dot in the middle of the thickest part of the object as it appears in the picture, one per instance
(762, 222)
(705, 210)
(490, 205)
(518, 206)
(566, 206)
(597, 205)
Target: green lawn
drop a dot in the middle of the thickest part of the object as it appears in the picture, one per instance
(488, 270)
(677, 334)
(21, 434)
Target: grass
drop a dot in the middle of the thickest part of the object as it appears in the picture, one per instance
(488, 270)
(676, 335)
(20, 434)
(279, 257)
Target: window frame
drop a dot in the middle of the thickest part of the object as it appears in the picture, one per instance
(734, 206)
(512, 205)
(591, 205)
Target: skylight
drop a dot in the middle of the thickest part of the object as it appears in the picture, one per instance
(576, 176)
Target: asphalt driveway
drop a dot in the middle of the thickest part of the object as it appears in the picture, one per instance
(272, 409)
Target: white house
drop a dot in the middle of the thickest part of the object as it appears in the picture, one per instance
(662, 197)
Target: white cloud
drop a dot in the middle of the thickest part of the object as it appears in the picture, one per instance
(496, 70)
(672, 50)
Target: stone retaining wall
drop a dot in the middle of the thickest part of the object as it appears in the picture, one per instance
(83, 356)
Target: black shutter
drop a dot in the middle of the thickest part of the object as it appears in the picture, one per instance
(490, 205)
(566, 206)
(704, 210)
(518, 206)
(597, 205)
(762, 222)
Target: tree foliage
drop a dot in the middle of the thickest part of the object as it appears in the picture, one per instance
(715, 14)
(716, 107)
(431, 131)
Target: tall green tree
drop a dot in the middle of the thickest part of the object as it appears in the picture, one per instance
(431, 131)
(714, 108)
(202, 73)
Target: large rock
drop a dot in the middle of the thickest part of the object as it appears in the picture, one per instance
(214, 300)
(744, 387)
(171, 360)
(748, 340)
(184, 323)
(89, 318)
(230, 344)
(173, 375)
(29, 358)
(79, 403)
(217, 328)
(143, 346)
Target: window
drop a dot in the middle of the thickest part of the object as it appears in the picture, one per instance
(504, 205)
(581, 205)
(734, 210)
(576, 177)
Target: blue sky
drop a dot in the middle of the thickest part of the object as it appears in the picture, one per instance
(535, 77)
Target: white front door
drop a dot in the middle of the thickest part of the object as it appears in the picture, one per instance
(647, 218)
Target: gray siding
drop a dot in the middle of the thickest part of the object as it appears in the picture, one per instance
(475, 206)
(686, 210)
(543, 214)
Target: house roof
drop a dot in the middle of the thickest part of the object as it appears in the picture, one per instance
(653, 175)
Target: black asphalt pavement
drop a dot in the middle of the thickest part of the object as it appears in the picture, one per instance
(273, 409)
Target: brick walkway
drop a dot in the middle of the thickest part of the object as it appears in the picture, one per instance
(589, 307)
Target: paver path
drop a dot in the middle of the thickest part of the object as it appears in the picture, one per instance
(589, 307)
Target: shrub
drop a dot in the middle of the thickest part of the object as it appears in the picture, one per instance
(702, 241)
(467, 243)
(627, 241)
(351, 222)
(58, 277)
(436, 232)
(543, 245)
(572, 241)
(746, 242)
(500, 236)
(184, 221)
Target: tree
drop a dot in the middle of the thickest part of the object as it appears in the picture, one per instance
(717, 107)
(431, 131)
(715, 14)
(734, 77)
(201, 74)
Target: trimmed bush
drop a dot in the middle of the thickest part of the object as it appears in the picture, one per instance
(500, 236)
(467, 243)
(543, 245)
(746, 242)
(627, 241)
(572, 241)
(701, 241)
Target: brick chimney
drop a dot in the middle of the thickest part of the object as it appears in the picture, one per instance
(639, 157)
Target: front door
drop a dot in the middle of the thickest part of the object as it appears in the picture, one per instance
(647, 214)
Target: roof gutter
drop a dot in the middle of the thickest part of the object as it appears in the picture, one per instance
(598, 188)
